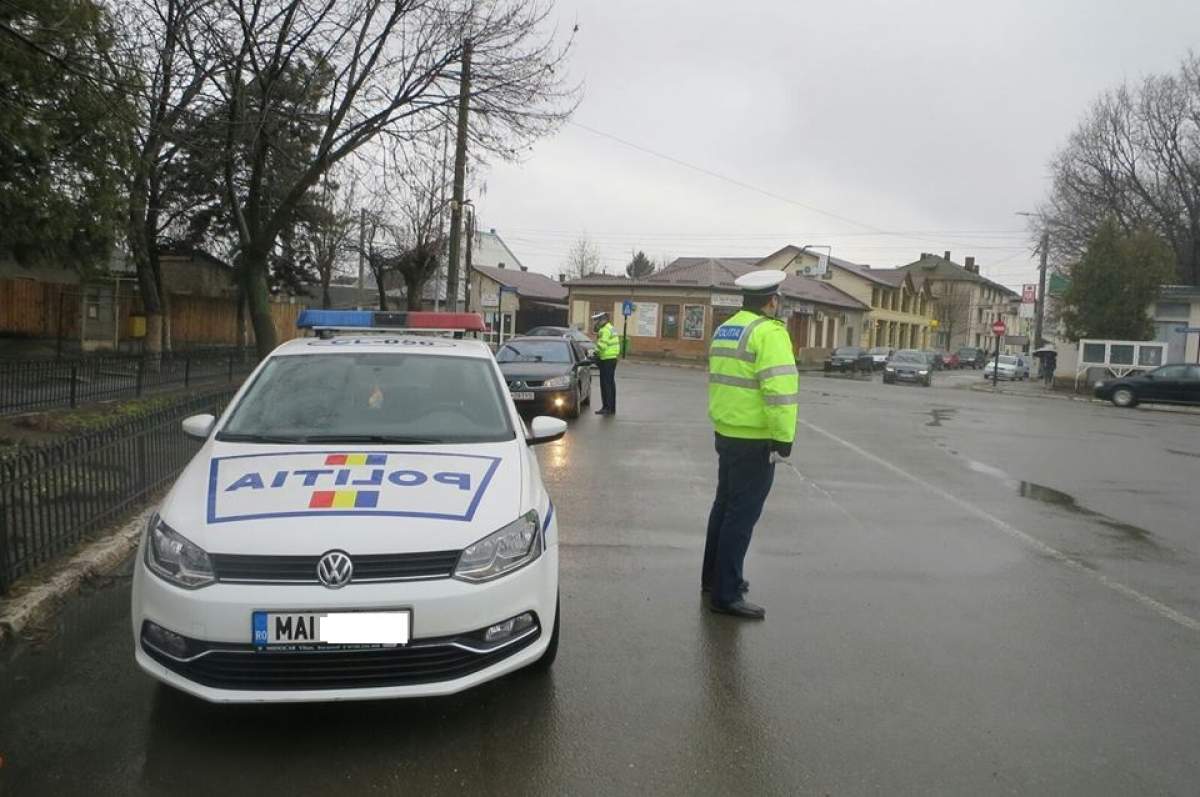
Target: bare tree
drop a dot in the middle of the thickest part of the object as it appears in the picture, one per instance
(953, 307)
(1134, 158)
(168, 62)
(583, 258)
(374, 68)
(335, 226)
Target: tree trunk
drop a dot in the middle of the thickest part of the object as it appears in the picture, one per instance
(258, 300)
(413, 286)
(326, 302)
(148, 285)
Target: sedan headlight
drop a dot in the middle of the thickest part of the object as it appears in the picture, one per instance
(558, 381)
(1099, 383)
(175, 558)
(890, 369)
(503, 551)
(923, 373)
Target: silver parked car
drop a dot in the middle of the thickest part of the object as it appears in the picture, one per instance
(1014, 367)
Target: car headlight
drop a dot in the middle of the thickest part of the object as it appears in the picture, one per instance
(175, 558)
(503, 551)
(889, 369)
(1099, 383)
(558, 381)
(923, 373)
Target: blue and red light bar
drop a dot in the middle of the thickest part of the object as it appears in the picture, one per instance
(389, 321)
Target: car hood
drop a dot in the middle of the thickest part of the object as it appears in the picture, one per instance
(303, 499)
(909, 366)
(534, 370)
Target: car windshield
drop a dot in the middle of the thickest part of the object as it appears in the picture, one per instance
(1007, 360)
(908, 357)
(847, 351)
(966, 352)
(551, 332)
(382, 397)
(534, 351)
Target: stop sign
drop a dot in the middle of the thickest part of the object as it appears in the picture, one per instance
(998, 328)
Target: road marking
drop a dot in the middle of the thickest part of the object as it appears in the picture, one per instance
(1158, 607)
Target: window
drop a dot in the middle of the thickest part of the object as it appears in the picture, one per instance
(1093, 353)
(1150, 355)
(670, 321)
(1171, 372)
(1121, 354)
(693, 321)
(874, 297)
(346, 397)
(1193, 373)
(1179, 310)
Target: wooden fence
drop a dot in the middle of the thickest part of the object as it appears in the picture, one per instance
(52, 310)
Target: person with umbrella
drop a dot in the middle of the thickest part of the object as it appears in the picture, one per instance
(1049, 359)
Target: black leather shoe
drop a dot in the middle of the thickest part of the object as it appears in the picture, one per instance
(601, 412)
(743, 588)
(741, 608)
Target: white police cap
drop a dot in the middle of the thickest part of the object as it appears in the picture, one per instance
(761, 283)
(599, 315)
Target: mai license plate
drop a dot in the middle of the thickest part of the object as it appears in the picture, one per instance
(331, 628)
(523, 395)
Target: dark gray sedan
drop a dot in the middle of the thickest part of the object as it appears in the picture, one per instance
(908, 365)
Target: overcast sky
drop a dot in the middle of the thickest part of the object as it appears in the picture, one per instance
(932, 120)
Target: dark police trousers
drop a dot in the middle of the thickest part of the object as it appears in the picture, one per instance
(608, 384)
(744, 476)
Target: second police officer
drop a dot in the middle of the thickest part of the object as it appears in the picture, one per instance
(608, 349)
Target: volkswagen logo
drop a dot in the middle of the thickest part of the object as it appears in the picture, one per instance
(334, 569)
(516, 385)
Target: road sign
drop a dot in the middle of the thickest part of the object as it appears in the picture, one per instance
(627, 308)
(1029, 294)
(999, 328)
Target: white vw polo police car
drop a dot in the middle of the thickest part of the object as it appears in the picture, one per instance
(365, 520)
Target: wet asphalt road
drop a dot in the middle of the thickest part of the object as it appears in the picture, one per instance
(965, 594)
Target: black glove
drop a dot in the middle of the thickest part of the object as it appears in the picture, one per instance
(782, 449)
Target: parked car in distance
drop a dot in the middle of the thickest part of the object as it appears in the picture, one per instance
(908, 365)
(935, 359)
(1012, 366)
(565, 332)
(1167, 384)
(971, 357)
(951, 360)
(546, 375)
(852, 359)
(879, 356)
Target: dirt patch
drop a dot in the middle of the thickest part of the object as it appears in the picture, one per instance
(36, 428)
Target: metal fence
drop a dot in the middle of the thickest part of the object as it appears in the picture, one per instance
(27, 385)
(53, 496)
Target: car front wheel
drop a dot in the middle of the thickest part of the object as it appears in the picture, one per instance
(1123, 397)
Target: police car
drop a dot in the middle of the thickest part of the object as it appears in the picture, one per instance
(365, 520)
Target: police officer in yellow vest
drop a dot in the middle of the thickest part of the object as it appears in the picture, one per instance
(752, 402)
(608, 349)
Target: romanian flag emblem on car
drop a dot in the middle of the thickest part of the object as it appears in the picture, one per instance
(344, 499)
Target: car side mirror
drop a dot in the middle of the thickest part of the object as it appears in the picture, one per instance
(544, 429)
(199, 426)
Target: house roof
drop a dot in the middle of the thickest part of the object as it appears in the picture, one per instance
(719, 273)
(934, 267)
(528, 284)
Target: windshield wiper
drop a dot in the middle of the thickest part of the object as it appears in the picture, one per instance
(239, 437)
(368, 438)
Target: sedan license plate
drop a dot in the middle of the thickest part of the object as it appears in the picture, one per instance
(331, 628)
(523, 395)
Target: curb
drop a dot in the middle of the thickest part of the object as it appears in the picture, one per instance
(100, 558)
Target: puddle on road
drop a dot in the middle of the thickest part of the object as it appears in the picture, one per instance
(1048, 495)
(939, 414)
(1066, 502)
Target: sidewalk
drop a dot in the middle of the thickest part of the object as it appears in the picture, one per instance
(1035, 389)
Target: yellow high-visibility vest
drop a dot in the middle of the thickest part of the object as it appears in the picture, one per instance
(753, 386)
(608, 344)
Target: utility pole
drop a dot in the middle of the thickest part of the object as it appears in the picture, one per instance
(362, 252)
(460, 174)
(467, 270)
(1041, 294)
